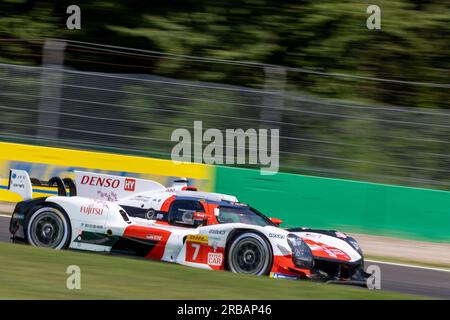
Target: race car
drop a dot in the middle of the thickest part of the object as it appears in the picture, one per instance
(179, 224)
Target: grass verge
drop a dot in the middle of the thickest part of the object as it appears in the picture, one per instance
(36, 273)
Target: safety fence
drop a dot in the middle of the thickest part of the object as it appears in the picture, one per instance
(388, 210)
(136, 114)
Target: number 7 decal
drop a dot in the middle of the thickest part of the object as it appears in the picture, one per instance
(196, 247)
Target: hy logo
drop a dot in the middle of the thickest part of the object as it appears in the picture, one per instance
(130, 184)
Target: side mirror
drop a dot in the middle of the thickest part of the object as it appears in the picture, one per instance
(276, 221)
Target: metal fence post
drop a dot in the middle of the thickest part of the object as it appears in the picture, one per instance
(52, 78)
(273, 100)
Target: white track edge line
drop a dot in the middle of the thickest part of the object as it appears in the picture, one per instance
(409, 265)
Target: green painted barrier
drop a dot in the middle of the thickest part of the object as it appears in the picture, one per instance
(346, 205)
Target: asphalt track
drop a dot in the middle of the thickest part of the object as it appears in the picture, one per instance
(430, 282)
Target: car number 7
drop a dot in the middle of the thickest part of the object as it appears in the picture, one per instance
(196, 246)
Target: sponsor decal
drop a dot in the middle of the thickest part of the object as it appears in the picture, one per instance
(313, 235)
(142, 198)
(95, 208)
(215, 259)
(17, 181)
(200, 238)
(108, 196)
(200, 216)
(283, 276)
(130, 184)
(19, 216)
(154, 237)
(91, 226)
(91, 210)
(100, 182)
(277, 235)
(18, 176)
(220, 232)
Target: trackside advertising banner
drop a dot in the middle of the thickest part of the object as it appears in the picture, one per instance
(352, 206)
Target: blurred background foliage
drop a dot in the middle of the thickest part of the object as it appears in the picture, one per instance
(315, 42)
(331, 36)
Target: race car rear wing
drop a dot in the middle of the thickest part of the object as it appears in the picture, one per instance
(21, 183)
(92, 185)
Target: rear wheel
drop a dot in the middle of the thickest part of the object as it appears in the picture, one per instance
(250, 253)
(49, 227)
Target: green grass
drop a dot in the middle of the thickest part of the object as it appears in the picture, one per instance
(36, 273)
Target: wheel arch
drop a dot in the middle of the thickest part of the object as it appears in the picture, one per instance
(41, 205)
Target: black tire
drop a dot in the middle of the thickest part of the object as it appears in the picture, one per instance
(49, 227)
(249, 253)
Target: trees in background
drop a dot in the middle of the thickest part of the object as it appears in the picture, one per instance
(324, 36)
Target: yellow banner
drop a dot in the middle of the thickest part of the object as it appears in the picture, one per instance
(46, 162)
(200, 238)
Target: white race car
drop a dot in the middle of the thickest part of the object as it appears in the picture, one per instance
(178, 224)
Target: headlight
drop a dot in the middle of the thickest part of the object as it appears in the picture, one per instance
(301, 254)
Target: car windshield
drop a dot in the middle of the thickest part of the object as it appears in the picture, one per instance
(242, 214)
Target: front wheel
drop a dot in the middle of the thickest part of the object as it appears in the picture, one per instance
(49, 227)
(250, 253)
